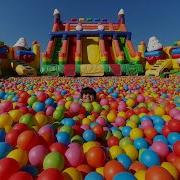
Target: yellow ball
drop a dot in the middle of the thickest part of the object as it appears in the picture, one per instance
(86, 121)
(7, 128)
(131, 151)
(130, 102)
(122, 114)
(72, 174)
(20, 156)
(136, 133)
(100, 170)
(15, 114)
(68, 104)
(171, 169)
(111, 117)
(91, 117)
(41, 119)
(166, 118)
(159, 111)
(131, 124)
(115, 151)
(89, 145)
(135, 118)
(140, 175)
(5, 120)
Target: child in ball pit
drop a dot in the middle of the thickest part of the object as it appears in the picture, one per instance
(88, 95)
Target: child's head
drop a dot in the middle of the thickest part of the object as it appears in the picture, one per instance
(88, 94)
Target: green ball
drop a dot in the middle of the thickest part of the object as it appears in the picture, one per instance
(125, 141)
(135, 118)
(97, 108)
(88, 106)
(58, 115)
(117, 134)
(10, 97)
(60, 108)
(31, 100)
(27, 119)
(77, 139)
(67, 129)
(54, 160)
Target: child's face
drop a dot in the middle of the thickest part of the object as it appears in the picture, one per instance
(87, 98)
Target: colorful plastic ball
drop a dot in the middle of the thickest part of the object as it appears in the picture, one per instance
(72, 174)
(63, 137)
(58, 147)
(31, 170)
(89, 135)
(131, 124)
(126, 131)
(94, 175)
(111, 117)
(114, 151)
(112, 168)
(2, 135)
(15, 114)
(8, 166)
(88, 107)
(96, 157)
(49, 101)
(130, 102)
(171, 169)
(5, 148)
(50, 110)
(11, 137)
(98, 130)
(140, 98)
(37, 154)
(74, 149)
(38, 106)
(140, 143)
(19, 155)
(89, 145)
(97, 107)
(41, 119)
(6, 106)
(174, 125)
(27, 119)
(124, 160)
(68, 122)
(124, 175)
(173, 137)
(75, 107)
(50, 174)
(21, 176)
(160, 148)
(159, 111)
(125, 141)
(158, 173)
(149, 158)
(53, 160)
(140, 175)
(104, 102)
(5, 120)
(176, 148)
(146, 124)
(112, 141)
(150, 133)
(131, 151)
(136, 133)
(160, 138)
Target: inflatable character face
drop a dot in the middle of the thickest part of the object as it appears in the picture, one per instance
(153, 44)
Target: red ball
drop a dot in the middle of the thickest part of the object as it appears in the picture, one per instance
(113, 141)
(58, 147)
(98, 130)
(171, 157)
(12, 136)
(174, 125)
(96, 157)
(166, 130)
(20, 127)
(50, 174)
(129, 113)
(114, 105)
(176, 148)
(112, 168)
(21, 176)
(27, 140)
(8, 166)
(150, 132)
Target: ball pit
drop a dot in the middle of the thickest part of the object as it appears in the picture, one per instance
(131, 132)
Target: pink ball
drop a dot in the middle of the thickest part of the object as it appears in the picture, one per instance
(177, 116)
(140, 98)
(61, 102)
(146, 124)
(37, 154)
(101, 121)
(6, 106)
(104, 102)
(120, 121)
(122, 106)
(160, 148)
(75, 107)
(84, 126)
(75, 155)
(49, 111)
(173, 112)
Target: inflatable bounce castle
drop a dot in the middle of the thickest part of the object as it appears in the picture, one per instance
(19, 59)
(90, 47)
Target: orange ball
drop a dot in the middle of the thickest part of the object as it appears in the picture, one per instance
(176, 163)
(158, 173)
(96, 157)
(137, 166)
(150, 132)
(84, 169)
(112, 168)
(98, 130)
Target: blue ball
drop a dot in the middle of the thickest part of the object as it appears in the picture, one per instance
(63, 137)
(2, 135)
(161, 138)
(93, 124)
(89, 135)
(124, 176)
(173, 137)
(94, 175)
(31, 170)
(145, 118)
(38, 106)
(49, 101)
(68, 122)
(157, 120)
(124, 160)
(159, 128)
(2, 94)
(149, 158)
(140, 143)
(126, 131)
(5, 148)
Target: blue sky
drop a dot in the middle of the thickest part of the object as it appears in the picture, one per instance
(33, 19)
